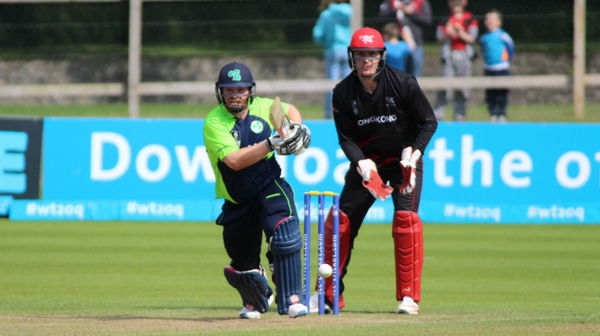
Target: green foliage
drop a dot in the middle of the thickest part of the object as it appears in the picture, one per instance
(42, 25)
(249, 25)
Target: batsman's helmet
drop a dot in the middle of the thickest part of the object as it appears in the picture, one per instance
(366, 39)
(234, 75)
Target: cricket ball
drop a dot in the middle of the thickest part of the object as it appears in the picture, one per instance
(325, 271)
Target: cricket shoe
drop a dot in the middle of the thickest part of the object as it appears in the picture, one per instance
(408, 306)
(297, 310)
(249, 313)
(314, 304)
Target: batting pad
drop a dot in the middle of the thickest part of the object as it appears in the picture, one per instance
(252, 285)
(408, 250)
(286, 244)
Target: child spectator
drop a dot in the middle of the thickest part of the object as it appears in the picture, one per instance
(457, 33)
(415, 17)
(398, 53)
(498, 49)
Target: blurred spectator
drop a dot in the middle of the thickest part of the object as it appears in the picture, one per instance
(398, 53)
(413, 16)
(457, 33)
(498, 49)
(333, 32)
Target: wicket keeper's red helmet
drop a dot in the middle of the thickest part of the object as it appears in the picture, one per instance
(366, 39)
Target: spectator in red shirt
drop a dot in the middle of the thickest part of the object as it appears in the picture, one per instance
(457, 33)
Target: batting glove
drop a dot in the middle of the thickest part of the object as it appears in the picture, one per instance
(408, 164)
(372, 181)
(289, 145)
(305, 139)
(274, 141)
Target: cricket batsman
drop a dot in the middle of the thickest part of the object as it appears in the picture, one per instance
(240, 145)
(383, 122)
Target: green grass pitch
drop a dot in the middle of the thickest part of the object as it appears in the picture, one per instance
(165, 278)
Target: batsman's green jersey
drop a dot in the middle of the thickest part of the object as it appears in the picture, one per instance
(225, 134)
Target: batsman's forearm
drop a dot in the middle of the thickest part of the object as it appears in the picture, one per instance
(247, 156)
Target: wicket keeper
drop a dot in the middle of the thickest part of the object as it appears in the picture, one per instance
(384, 122)
(240, 145)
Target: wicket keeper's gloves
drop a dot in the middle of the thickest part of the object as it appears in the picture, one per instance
(408, 164)
(372, 181)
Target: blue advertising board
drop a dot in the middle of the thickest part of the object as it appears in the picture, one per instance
(20, 155)
(513, 172)
(103, 158)
(474, 172)
(5, 204)
(165, 210)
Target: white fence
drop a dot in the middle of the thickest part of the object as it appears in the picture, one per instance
(285, 85)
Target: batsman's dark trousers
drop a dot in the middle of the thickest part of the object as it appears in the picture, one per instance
(356, 200)
(244, 224)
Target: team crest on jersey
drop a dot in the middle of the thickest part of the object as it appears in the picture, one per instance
(235, 75)
(256, 126)
(366, 38)
(390, 102)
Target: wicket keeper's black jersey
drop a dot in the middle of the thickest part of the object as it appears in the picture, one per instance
(379, 125)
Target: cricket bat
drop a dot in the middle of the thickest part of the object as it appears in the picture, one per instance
(279, 119)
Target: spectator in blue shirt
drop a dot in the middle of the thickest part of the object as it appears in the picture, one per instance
(333, 32)
(498, 49)
(398, 52)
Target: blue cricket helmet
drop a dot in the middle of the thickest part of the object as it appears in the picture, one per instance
(234, 74)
